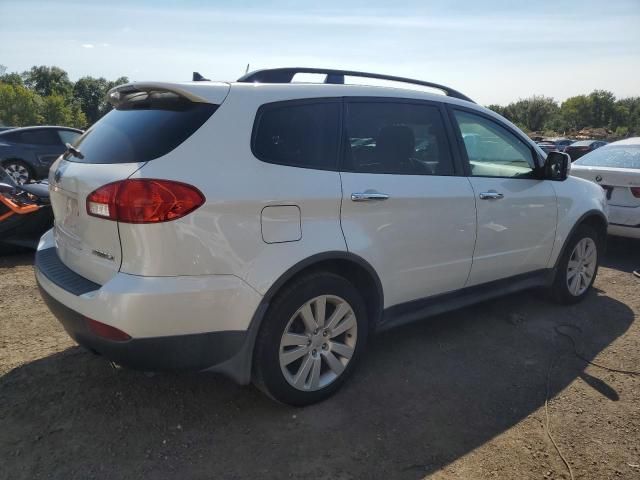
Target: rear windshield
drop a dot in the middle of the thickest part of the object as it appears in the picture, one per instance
(582, 143)
(614, 156)
(141, 129)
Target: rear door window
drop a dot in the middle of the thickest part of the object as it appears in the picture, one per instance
(396, 138)
(36, 137)
(143, 128)
(298, 134)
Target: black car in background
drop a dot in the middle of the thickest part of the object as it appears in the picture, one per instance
(582, 147)
(25, 213)
(27, 153)
(555, 144)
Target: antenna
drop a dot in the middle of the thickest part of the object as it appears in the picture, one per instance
(247, 69)
(199, 78)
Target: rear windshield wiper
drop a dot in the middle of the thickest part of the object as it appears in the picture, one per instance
(73, 151)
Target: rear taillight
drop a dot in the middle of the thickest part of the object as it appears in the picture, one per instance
(635, 191)
(144, 200)
(107, 331)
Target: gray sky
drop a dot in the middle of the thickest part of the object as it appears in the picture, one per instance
(494, 51)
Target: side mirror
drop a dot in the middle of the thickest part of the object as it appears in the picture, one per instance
(557, 166)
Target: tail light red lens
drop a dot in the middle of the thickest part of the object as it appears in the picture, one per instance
(144, 200)
(107, 331)
(635, 191)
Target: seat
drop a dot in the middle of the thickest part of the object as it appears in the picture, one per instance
(395, 145)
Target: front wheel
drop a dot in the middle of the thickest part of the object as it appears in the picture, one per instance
(310, 339)
(19, 171)
(578, 266)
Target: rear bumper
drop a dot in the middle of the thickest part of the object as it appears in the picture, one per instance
(180, 352)
(624, 221)
(186, 323)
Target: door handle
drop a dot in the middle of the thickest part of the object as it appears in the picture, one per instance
(368, 197)
(491, 196)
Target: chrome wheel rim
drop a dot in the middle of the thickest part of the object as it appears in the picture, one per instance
(318, 343)
(18, 172)
(582, 266)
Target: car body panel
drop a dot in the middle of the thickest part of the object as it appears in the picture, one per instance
(88, 245)
(154, 306)
(417, 247)
(224, 235)
(576, 198)
(515, 233)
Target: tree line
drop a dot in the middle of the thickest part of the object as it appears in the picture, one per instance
(45, 95)
(599, 109)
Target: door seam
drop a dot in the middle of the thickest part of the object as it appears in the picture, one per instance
(475, 240)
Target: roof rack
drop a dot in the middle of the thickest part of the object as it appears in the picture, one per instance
(285, 75)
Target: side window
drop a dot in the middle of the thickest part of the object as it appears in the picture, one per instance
(68, 136)
(299, 135)
(12, 137)
(493, 150)
(396, 138)
(40, 137)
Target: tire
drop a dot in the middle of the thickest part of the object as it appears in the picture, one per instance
(564, 288)
(314, 375)
(19, 171)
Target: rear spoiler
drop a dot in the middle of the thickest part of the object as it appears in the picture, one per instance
(209, 92)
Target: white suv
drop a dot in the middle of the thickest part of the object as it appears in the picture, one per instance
(264, 228)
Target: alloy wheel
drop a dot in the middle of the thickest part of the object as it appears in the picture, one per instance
(18, 172)
(318, 342)
(582, 266)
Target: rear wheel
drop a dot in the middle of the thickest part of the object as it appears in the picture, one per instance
(19, 171)
(578, 266)
(310, 339)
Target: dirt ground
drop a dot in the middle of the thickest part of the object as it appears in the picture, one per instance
(459, 396)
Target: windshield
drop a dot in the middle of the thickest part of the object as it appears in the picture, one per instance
(615, 156)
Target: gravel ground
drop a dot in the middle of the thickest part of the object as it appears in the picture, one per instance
(460, 396)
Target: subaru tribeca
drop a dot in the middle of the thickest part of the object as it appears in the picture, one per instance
(264, 229)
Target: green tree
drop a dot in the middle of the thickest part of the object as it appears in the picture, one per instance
(57, 111)
(602, 103)
(47, 81)
(19, 106)
(576, 112)
(91, 93)
(12, 79)
(529, 113)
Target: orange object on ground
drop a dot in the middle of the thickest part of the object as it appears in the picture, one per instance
(15, 208)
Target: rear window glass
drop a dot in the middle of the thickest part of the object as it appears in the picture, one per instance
(300, 135)
(623, 156)
(582, 143)
(141, 130)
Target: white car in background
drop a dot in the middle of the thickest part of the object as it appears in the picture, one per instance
(616, 168)
(263, 228)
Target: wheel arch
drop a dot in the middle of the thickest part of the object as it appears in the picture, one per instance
(352, 267)
(595, 219)
(348, 265)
